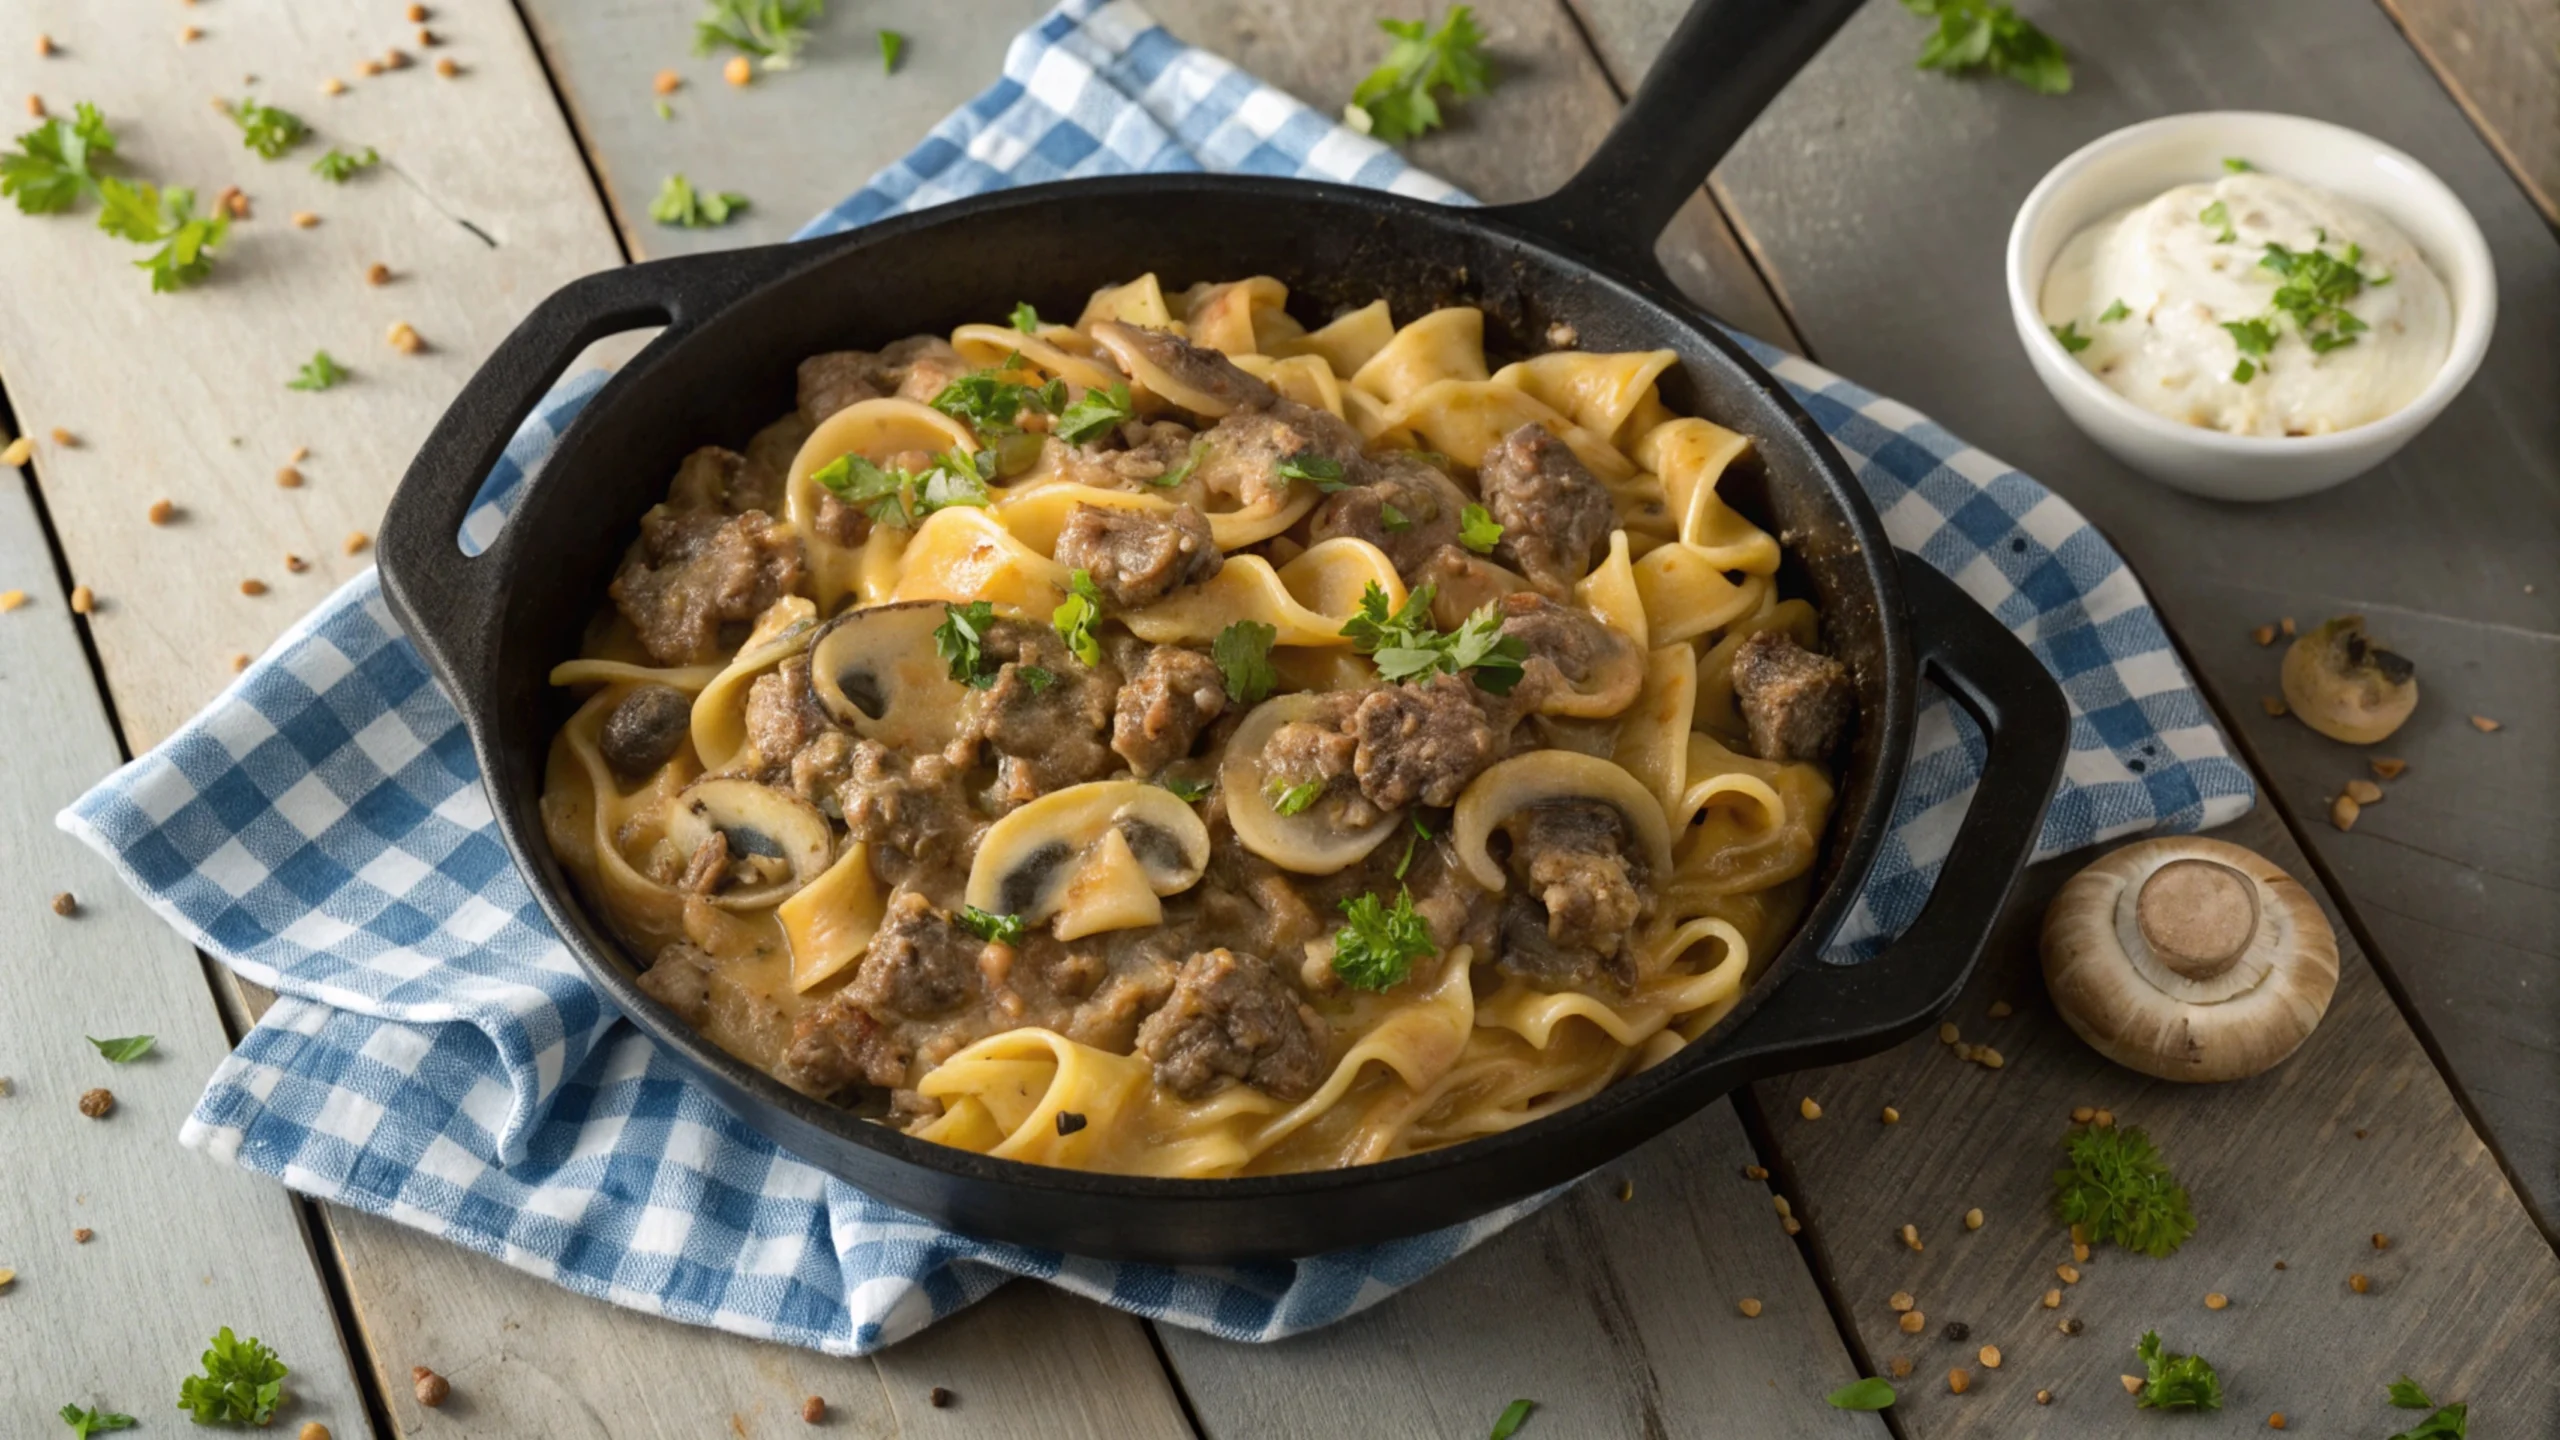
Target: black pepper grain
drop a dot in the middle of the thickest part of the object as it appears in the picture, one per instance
(2072, 1326)
(1957, 1331)
(939, 1399)
(1069, 1122)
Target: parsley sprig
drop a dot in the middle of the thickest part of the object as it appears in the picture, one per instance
(1983, 35)
(56, 162)
(773, 31)
(1076, 616)
(2177, 1382)
(147, 215)
(2450, 1422)
(318, 373)
(1243, 653)
(338, 166)
(1308, 465)
(2068, 332)
(266, 129)
(93, 1421)
(1095, 413)
(2117, 1188)
(992, 405)
(901, 499)
(1190, 461)
(680, 205)
(242, 1383)
(2314, 294)
(1288, 799)
(1401, 98)
(960, 641)
(990, 926)
(1477, 530)
(1376, 948)
(1406, 646)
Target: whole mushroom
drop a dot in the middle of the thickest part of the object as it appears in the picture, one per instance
(2189, 959)
(2347, 687)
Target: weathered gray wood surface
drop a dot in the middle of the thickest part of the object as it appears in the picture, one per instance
(2355, 1134)
(182, 1244)
(2501, 60)
(2451, 547)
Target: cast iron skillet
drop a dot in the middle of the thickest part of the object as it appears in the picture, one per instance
(737, 323)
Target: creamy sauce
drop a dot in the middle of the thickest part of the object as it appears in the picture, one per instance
(2183, 270)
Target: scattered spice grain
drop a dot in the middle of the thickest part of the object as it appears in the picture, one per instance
(446, 68)
(2273, 705)
(416, 13)
(1973, 1218)
(312, 1430)
(12, 599)
(1900, 1300)
(737, 71)
(813, 1410)
(2359, 1283)
(1626, 1190)
(2044, 1397)
(1792, 1225)
(1948, 1034)
(2484, 724)
(2380, 1240)
(667, 83)
(1754, 1172)
(2279, 1264)
(2082, 1114)
(333, 86)
(395, 59)
(67, 905)
(1956, 1333)
(98, 1103)
(239, 662)
(1989, 1356)
(2276, 1421)
(35, 106)
(288, 478)
(44, 45)
(1911, 1237)
(1913, 1322)
(939, 1398)
(2285, 626)
(1779, 1203)
(188, 34)
(1809, 1108)
(2053, 1299)
(431, 1388)
(1958, 1382)
(253, 586)
(1749, 1307)
(2103, 1119)
(403, 338)
(1899, 1367)
(2001, 1010)
(64, 437)
(295, 564)
(2343, 812)
(368, 68)
(2386, 768)
(377, 273)
(2080, 1251)
(2217, 1301)
(2068, 1274)
(2132, 1384)
(18, 452)
(357, 540)
(427, 38)
(161, 512)
(83, 600)
(2363, 792)
(8, 1277)
(83, 1235)
(1987, 1058)
(1892, 1116)
(304, 219)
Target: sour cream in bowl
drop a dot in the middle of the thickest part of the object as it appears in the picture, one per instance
(2249, 306)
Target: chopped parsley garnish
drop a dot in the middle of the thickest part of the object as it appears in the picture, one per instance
(2119, 1190)
(1190, 462)
(1393, 518)
(901, 499)
(1243, 653)
(2236, 165)
(317, 373)
(2218, 215)
(1376, 949)
(988, 925)
(2253, 337)
(56, 161)
(1291, 799)
(680, 205)
(2451, 1422)
(2244, 372)
(123, 1050)
(1515, 1414)
(338, 167)
(1038, 678)
(2317, 286)
(242, 1383)
(85, 1423)
(266, 129)
(1190, 792)
(1096, 413)
(1421, 832)
(1308, 465)
(1477, 530)
(1872, 1393)
(770, 30)
(1026, 319)
(2114, 312)
(147, 215)
(1406, 646)
(892, 45)
(1396, 101)
(2408, 1394)
(993, 405)
(2178, 1382)
(959, 638)
(1074, 619)
(1983, 35)
(2068, 332)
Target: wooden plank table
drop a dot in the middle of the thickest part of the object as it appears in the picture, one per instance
(536, 162)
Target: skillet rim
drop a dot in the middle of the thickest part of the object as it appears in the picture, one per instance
(757, 272)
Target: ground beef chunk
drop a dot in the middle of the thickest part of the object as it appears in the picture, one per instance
(645, 730)
(1171, 696)
(1148, 451)
(1233, 1017)
(1576, 893)
(839, 523)
(1554, 515)
(1426, 507)
(680, 979)
(1797, 703)
(1422, 742)
(1242, 461)
(769, 456)
(800, 745)
(921, 962)
(1138, 557)
(1195, 366)
(840, 1044)
(911, 810)
(708, 870)
(708, 479)
(1569, 648)
(916, 368)
(1045, 734)
(694, 571)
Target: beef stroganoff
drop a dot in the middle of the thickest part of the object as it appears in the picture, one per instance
(1183, 743)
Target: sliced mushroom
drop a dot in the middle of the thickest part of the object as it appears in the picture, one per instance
(876, 671)
(2189, 959)
(1542, 777)
(2345, 686)
(777, 842)
(1315, 841)
(1094, 857)
(1576, 665)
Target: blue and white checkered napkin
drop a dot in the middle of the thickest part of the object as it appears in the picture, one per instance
(437, 1057)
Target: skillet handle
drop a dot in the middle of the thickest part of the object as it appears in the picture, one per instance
(447, 601)
(1827, 1014)
(1720, 69)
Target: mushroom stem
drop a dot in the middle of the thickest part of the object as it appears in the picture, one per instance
(2198, 916)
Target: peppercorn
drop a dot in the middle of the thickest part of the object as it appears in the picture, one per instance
(1957, 1331)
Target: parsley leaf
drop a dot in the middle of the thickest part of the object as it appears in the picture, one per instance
(1373, 629)
(1074, 619)
(1026, 319)
(680, 205)
(958, 640)
(1395, 101)
(2114, 312)
(1406, 646)
(266, 129)
(1243, 653)
(1190, 792)
(55, 163)
(147, 215)
(85, 1423)
(1295, 799)
(1872, 1393)
(1190, 462)
(2452, 1422)
(337, 167)
(2219, 215)
(1038, 678)
(2120, 1190)
(988, 925)
(318, 373)
(1480, 647)
(901, 499)
(2236, 165)
(1477, 531)
(771, 30)
(892, 45)
(2244, 372)
(1513, 1416)
(2178, 1382)
(2317, 286)
(1308, 465)
(242, 1383)
(2408, 1394)
(2068, 332)
(993, 405)
(1421, 832)
(1376, 950)
(2252, 337)
(1096, 413)
(1393, 518)
(124, 1050)
(1983, 35)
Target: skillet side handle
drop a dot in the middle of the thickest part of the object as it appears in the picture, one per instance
(449, 602)
(1827, 1014)
(1720, 69)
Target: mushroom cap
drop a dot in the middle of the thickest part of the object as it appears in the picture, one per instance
(2189, 959)
(1544, 776)
(875, 669)
(761, 823)
(1311, 842)
(1094, 857)
(2345, 686)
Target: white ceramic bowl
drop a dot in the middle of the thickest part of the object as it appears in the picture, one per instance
(2134, 164)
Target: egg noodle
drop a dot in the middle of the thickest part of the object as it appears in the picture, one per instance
(1462, 1046)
